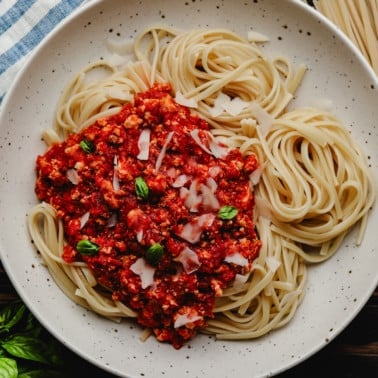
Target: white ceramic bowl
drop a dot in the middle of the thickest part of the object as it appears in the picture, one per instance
(337, 289)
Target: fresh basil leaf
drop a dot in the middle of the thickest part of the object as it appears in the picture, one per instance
(86, 247)
(141, 188)
(227, 212)
(28, 348)
(8, 368)
(154, 254)
(87, 146)
(11, 315)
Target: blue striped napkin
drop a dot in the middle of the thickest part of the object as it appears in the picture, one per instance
(23, 25)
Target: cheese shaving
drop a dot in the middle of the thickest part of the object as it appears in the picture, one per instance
(84, 219)
(254, 36)
(73, 176)
(144, 271)
(184, 319)
(189, 102)
(180, 181)
(189, 260)
(224, 103)
(263, 118)
(144, 144)
(116, 185)
(237, 259)
(160, 158)
(209, 201)
(192, 231)
(120, 47)
(240, 280)
(255, 176)
(214, 147)
(193, 198)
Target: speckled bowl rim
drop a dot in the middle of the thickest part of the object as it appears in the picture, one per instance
(336, 290)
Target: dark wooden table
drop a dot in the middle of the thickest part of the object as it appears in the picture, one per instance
(353, 354)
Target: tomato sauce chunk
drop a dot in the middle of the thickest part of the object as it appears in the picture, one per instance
(160, 211)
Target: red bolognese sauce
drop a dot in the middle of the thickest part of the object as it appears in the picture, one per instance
(160, 211)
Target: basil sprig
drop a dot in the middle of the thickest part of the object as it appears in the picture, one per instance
(86, 247)
(87, 146)
(141, 188)
(154, 254)
(26, 349)
(227, 212)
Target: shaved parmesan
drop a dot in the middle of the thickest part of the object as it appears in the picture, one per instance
(254, 36)
(214, 148)
(224, 103)
(192, 231)
(117, 60)
(235, 106)
(160, 158)
(139, 235)
(180, 181)
(193, 198)
(237, 259)
(209, 201)
(195, 135)
(196, 195)
(206, 220)
(84, 219)
(189, 260)
(115, 183)
(263, 118)
(184, 192)
(218, 150)
(240, 280)
(73, 176)
(144, 144)
(144, 271)
(212, 184)
(214, 171)
(189, 102)
(218, 108)
(184, 319)
(120, 47)
(254, 177)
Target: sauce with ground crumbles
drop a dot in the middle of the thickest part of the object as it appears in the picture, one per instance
(161, 212)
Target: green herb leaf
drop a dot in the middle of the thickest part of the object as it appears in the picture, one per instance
(227, 212)
(8, 368)
(141, 188)
(26, 347)
(154, 254)
(11, 315)
(87, 146)
(86, 247)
